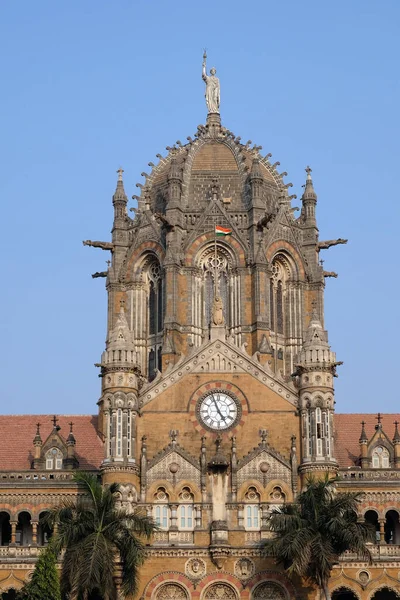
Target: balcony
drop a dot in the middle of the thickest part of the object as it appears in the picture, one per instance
(380, 552)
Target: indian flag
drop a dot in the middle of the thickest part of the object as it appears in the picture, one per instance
(222, 231)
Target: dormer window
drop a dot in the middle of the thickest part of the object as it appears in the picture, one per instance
(54, 459)
(380, 458)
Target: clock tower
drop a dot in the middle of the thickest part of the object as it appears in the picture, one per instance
(213, 291)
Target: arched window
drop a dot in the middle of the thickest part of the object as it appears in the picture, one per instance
(155, 311)
(285, 310)
(185, 510)
(252, 515)
(344, 593)
(54, 459)
(161, 510)
(380, 458)
(277, 496)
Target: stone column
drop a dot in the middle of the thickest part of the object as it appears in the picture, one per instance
(13, 532)
(198, 519)
(240, 516)
(382, 531)
(174, 517)
(34, 532)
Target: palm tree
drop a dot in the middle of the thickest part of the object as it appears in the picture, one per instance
(98, 539)
(313, 533)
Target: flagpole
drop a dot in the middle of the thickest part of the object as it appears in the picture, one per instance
(215, 262)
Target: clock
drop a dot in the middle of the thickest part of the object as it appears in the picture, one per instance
(217, 410)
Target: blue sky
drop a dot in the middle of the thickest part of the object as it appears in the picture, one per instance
(89, 86)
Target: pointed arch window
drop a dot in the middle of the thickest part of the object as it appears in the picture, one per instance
(161, 511)
(185, 510)
(380, 458)
(155, 316)
(252, 510)
(54, 459)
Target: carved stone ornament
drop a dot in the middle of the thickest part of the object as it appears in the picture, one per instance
(269, 591)
(364, 577)
(171, 591)
(244, 568)
(220, 591)
(195, 568)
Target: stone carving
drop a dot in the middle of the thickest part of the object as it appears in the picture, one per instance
(244, 568)
(171, 591)
(195, 568)
(363, 576)
(257, 469)
(220, 591)
(212, 87)
(218, 315)
(126, 497)
(269, 591)
(161, 470)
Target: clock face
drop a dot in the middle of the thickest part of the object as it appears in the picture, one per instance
(218, 410)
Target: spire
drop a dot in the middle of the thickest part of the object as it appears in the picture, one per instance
(120, 201)
(121, 337)
(256, 181)
(71, 441)
(396, 437)
(309, 199)
(37, 440)
(363, 437)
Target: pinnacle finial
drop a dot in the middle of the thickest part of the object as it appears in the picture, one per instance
(363, 436)
(396, 437)
(120, 171)
(308, 170)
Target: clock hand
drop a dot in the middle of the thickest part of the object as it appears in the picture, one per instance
(218, 409)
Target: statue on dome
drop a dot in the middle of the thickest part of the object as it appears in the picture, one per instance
(212, 88)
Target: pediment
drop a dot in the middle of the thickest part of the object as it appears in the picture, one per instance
(222, 357)
(263, 464)
(213, 213)
(185, 467)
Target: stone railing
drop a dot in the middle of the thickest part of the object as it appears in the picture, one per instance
(354, 475)
(173, 537)
(379, 552)
(20, 551)
(34, 476)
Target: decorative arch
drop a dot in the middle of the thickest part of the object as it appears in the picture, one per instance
(146, 301)
(211, 584)
(132, 264)
(269, 590)
(344, 592)
(171, 591)
(168, 577)
(384, 592)
(284, 585)
(285, 303)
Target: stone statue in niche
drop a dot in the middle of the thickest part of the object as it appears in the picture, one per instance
(212, 87)
(218, 313)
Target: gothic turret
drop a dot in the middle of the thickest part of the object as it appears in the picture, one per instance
(316, 369)
(118, 403)
(120, 224)
(309, 200)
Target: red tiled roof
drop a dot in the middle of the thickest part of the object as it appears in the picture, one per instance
(17, 433)
(348, 431)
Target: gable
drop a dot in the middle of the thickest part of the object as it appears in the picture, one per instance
(222, 357)
(183, 469)
(264, 467)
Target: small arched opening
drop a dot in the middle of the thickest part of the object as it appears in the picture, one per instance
(392, 527)
(371, 516)
(24, 529)
(5, 529)
(44, 531)
(385, 593)
(10, 594)
(344, 593)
